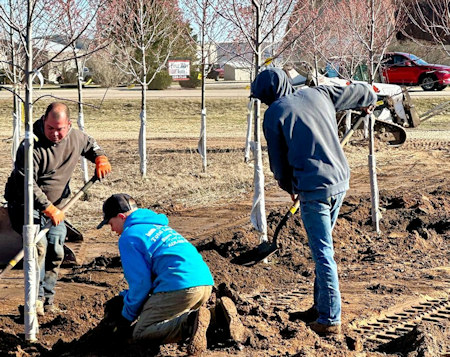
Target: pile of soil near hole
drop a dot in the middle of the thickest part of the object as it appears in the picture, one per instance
(415, 241)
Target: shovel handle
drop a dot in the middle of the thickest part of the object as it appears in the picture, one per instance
(283, 221)
(18, 257)
(349, 134)
(66, 207)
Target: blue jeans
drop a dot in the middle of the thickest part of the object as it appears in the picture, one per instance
(50, 256)
(319, 218)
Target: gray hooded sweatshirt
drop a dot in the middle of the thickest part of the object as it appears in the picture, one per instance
(301, 132)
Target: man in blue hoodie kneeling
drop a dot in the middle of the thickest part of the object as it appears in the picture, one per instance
(168, 281)
(308, 162)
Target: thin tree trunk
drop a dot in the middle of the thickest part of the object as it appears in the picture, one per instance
(29, 229)
(373, 177)
(80, 122)
(371, 119)
(143, 132)
(16, 105)
(258, 213)
(248, 141)
(202, 143)
(16, 123)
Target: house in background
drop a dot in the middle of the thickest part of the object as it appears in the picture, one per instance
(65, 68)
(238, 71)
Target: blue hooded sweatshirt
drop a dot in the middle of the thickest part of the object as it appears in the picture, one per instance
(155, 258)
(301, 133)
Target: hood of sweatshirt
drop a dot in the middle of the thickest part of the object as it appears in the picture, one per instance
(146, 216)
(270, 85)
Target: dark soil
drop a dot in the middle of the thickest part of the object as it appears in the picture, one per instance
(401, 273)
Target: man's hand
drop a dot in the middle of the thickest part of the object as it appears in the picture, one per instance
(121, 327)
(113, 307)
(102, 166)
(55, 214)
(369, 109)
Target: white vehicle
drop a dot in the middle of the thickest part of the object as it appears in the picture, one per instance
(393, 113)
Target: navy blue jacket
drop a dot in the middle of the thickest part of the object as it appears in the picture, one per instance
(301, 132)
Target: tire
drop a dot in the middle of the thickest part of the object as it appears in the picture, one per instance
(428, 83)
(441, 87)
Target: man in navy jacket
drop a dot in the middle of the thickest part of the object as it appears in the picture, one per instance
(308, 162)
(168, 281)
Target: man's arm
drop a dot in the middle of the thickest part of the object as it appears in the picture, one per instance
(40, 199)
(353, 96)
(94, 153)
(137, 272)
(278, 152)
(41, 202)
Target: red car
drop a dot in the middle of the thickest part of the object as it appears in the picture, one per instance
(405, 68)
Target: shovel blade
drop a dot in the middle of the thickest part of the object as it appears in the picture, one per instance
(255, 255)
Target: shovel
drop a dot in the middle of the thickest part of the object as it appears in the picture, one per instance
(12, 263)
(266, 249)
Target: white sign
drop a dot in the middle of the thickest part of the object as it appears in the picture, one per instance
(179, 69)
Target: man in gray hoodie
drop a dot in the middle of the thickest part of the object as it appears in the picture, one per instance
(308, 162)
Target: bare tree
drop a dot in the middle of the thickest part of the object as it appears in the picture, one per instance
(143, 34)
(30, 22)
(315, 34)
(432, 18)
(76, 16)
(12, 57)
(345, 52)
(208, 27)
(374, 23)
(261, 26)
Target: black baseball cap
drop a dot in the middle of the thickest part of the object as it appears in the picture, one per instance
(117, 203)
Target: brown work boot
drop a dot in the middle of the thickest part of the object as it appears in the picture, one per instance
(324, 330)
(307, 316)
(230, 314)
(40, 308)
(52, 308)
(198, 342)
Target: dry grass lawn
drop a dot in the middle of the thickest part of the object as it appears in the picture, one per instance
(174, 177)
(167, 118)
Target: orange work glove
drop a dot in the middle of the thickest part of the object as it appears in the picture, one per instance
(102, 166)
(55, 214)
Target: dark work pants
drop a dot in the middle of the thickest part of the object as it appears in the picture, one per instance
(50, 250)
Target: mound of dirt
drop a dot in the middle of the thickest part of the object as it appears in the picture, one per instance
(395, 285)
